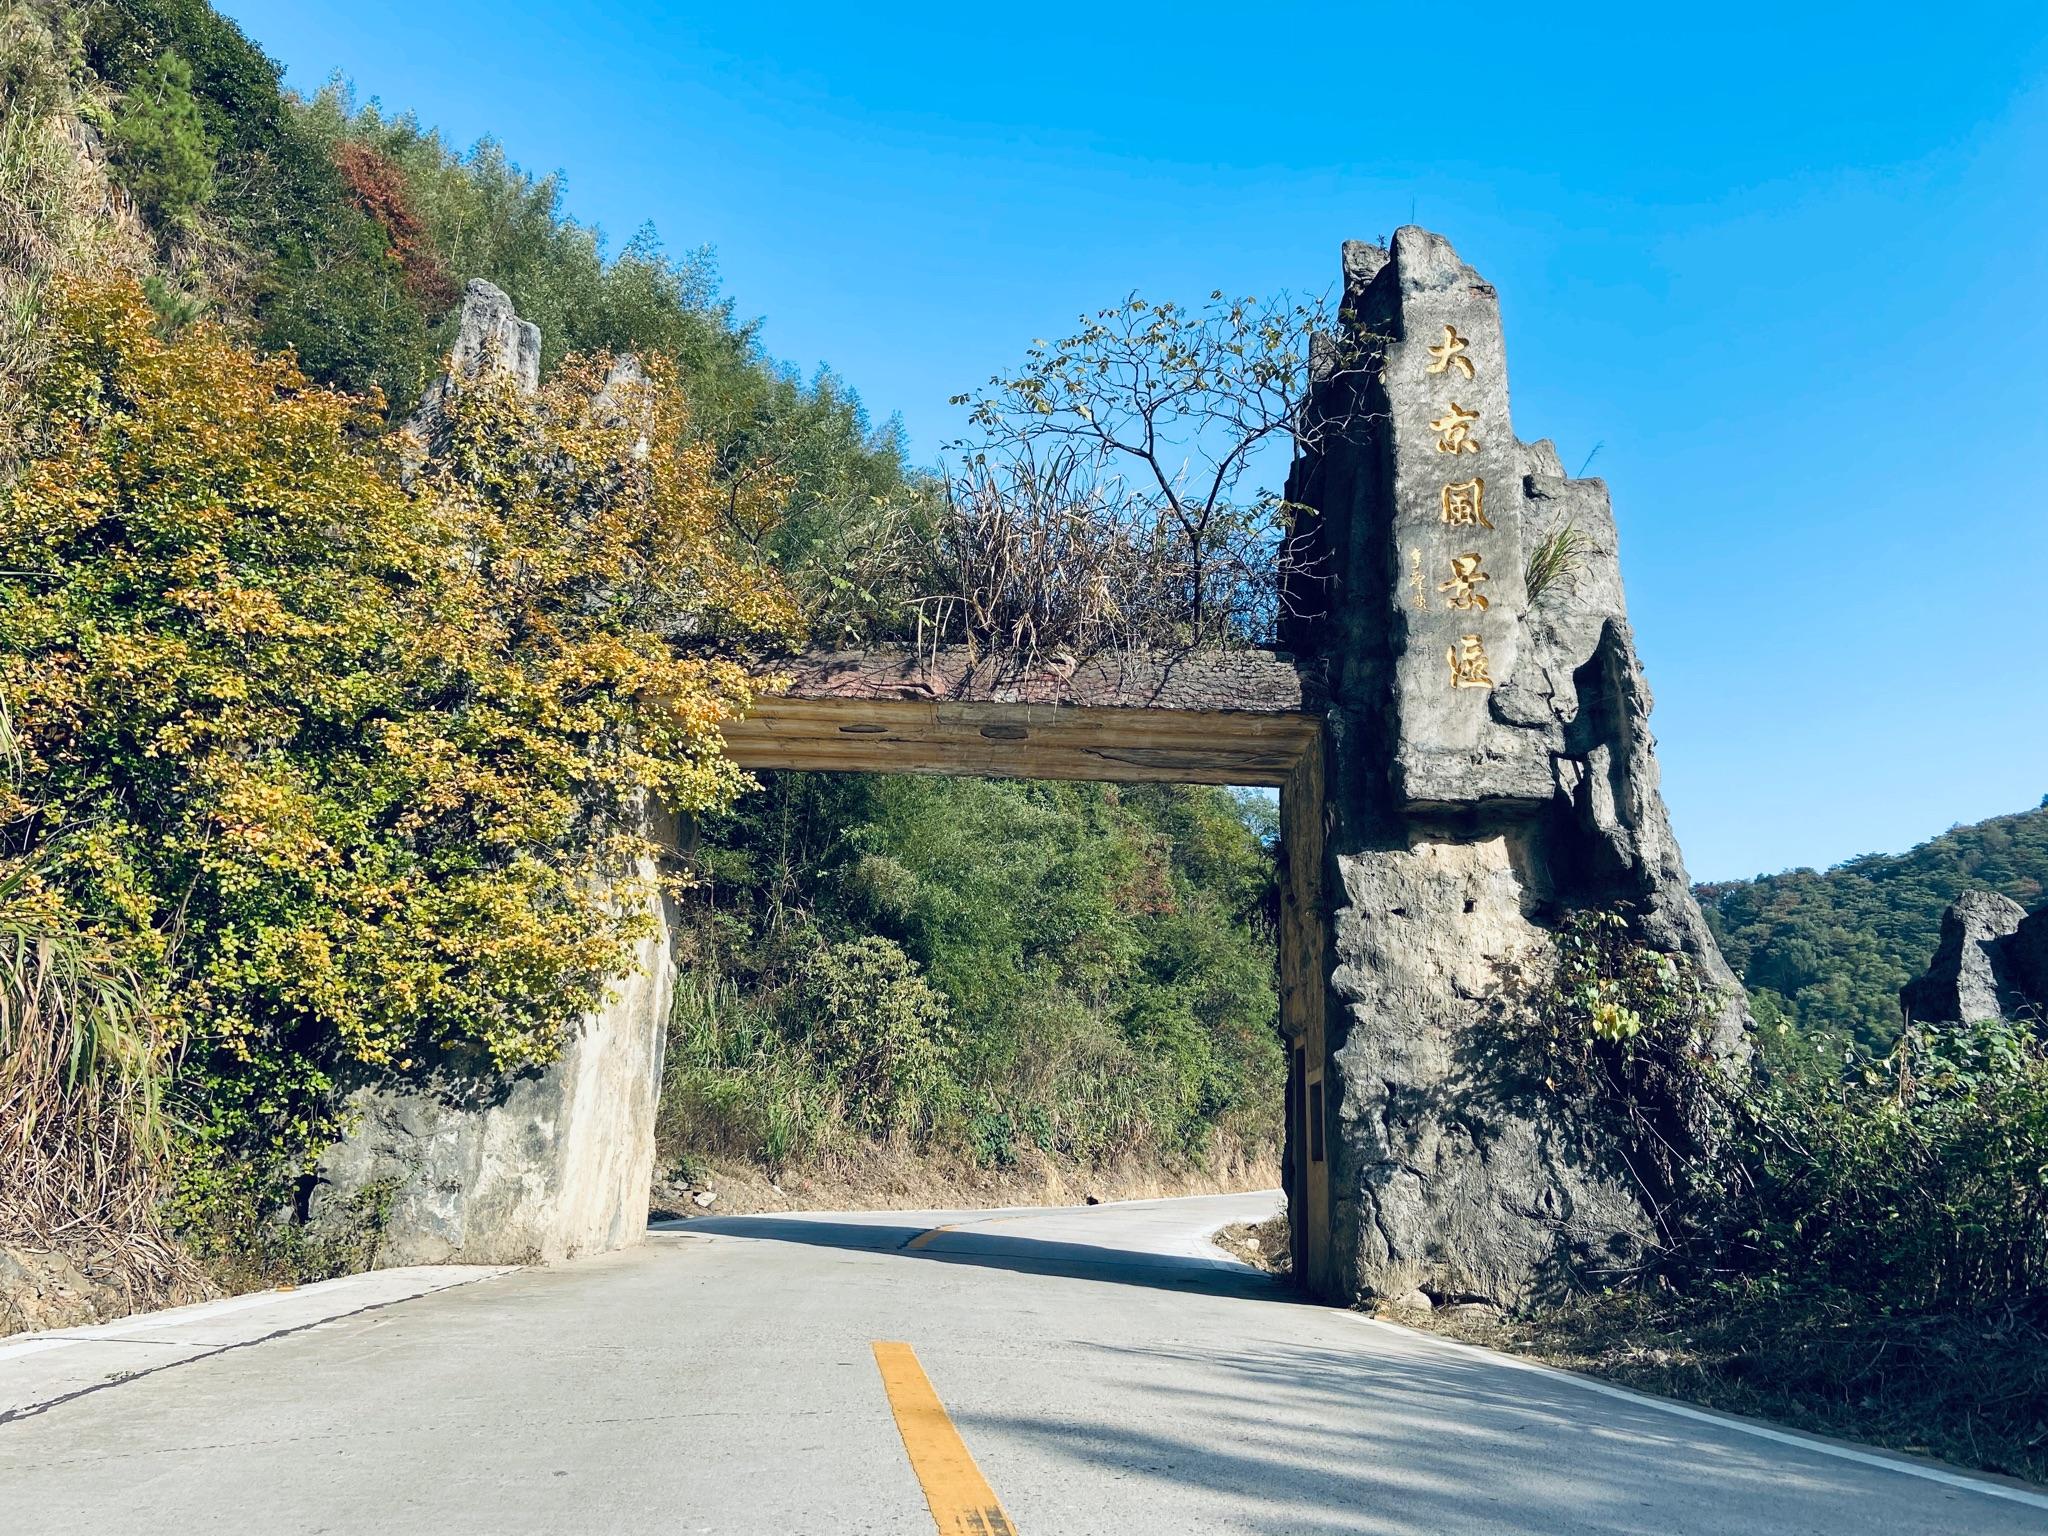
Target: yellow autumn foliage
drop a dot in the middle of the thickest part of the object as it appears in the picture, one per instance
(355, 773)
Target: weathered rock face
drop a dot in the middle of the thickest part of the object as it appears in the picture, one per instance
(491, 341)
(42, 1288)
(1988, 965)
(1490, 768)
(545, 1167)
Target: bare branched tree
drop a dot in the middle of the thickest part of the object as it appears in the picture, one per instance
(1155, 426)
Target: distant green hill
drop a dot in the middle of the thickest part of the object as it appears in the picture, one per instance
(1830, 949)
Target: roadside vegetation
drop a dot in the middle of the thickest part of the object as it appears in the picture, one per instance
(1852, 1240)
(994, 975)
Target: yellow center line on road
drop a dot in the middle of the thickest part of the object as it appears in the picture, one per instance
(962, 1503)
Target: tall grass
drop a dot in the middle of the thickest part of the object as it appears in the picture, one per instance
(44, 207)
(1556, 560)
(84, 1060)
(59, 213)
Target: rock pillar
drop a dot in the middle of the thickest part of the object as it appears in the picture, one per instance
(1488, 768)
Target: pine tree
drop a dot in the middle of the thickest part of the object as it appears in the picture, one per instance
(160, 144)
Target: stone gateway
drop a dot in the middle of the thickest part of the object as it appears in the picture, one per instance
(1488, 769)
(1464, 759)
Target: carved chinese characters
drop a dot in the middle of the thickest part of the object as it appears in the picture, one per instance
(1464, 504)
(1464, 583)
(1450, 353)
(1452, 480)
(1454, 430)
(1468, 663)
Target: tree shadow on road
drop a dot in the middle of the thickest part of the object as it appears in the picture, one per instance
(993, 1250)
(1404, 1438)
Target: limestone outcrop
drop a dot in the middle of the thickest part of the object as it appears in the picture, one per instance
(476, 1169)
(1991, 963)
(491, 342)
(470, 1166)
(1491, 769)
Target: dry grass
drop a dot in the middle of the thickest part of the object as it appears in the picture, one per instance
(1261, 1244)
(60, 214)
(1047, 558)
(885, 1176)
(84, 1143)
(83, 1060)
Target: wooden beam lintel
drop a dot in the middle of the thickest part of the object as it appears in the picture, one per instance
(1017, 741)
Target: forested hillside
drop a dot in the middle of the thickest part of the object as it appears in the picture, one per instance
(1829, 950)
(999, 970)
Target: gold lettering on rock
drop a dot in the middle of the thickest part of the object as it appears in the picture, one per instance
(1450, 353)
(1464, 583)
(1453, 430)
(1465, 504)
(1468, 663)
(1416, 580)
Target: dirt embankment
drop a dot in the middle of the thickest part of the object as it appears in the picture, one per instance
(43, 1288)
(1261, 1244)
(883, 1178)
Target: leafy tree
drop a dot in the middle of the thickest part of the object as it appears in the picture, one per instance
(848, 532)
(310, 272)
(378, 188)
(160, 143)
(342, 772)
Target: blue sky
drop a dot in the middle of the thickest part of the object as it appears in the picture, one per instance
(1783, 266)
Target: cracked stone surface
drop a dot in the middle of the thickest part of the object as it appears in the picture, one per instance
(1466, 821)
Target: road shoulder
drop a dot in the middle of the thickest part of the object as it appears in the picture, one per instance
(39, 1371)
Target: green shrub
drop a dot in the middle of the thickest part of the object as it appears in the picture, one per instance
(733, 1084)
(1912, 1182)
(879, 1031)
(349, 776)
(1621, 1039)
(160, 146)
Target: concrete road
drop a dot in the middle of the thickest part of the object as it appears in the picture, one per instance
(1088, 1372)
